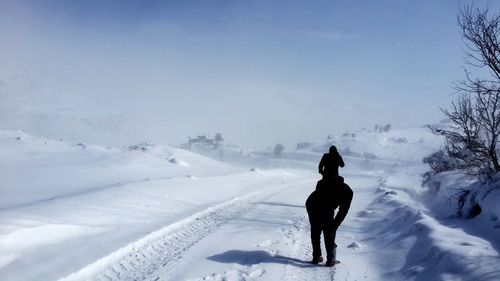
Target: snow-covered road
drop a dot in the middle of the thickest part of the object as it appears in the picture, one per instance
(271, 241)
(261, 234)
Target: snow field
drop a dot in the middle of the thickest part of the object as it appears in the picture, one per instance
(152, 212)
(36, 169)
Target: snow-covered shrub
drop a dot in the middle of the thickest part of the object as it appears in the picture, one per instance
(278, 150)
(439, 162)
(382, 128)
(469, 197)
(143, 146)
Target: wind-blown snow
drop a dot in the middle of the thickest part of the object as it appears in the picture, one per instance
(154, 212)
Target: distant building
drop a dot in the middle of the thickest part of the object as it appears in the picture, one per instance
(205, 143)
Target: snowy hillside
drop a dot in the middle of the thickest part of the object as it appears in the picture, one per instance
(153, 212)
(38, 169)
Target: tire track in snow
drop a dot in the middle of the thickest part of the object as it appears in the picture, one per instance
(159, 254)
(163, 249)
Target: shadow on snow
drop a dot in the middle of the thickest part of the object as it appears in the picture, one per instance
(255, 257)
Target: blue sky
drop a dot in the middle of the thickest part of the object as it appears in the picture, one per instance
(260, 72)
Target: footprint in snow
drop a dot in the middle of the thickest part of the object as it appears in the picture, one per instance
(267, 243)
(365, 213)
(234, 275)
(354, 245)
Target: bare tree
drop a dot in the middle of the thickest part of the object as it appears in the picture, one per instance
(475, 115)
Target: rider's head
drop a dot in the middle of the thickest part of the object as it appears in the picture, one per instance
(333, 149)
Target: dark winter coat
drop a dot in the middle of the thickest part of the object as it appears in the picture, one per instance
(329, 195)
(330, 163)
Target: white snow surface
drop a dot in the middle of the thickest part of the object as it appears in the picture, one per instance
(154, 212)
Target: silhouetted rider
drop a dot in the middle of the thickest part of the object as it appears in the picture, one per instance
(330, 163)
(331, 193)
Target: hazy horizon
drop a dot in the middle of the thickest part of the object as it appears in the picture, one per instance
(259, 72)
